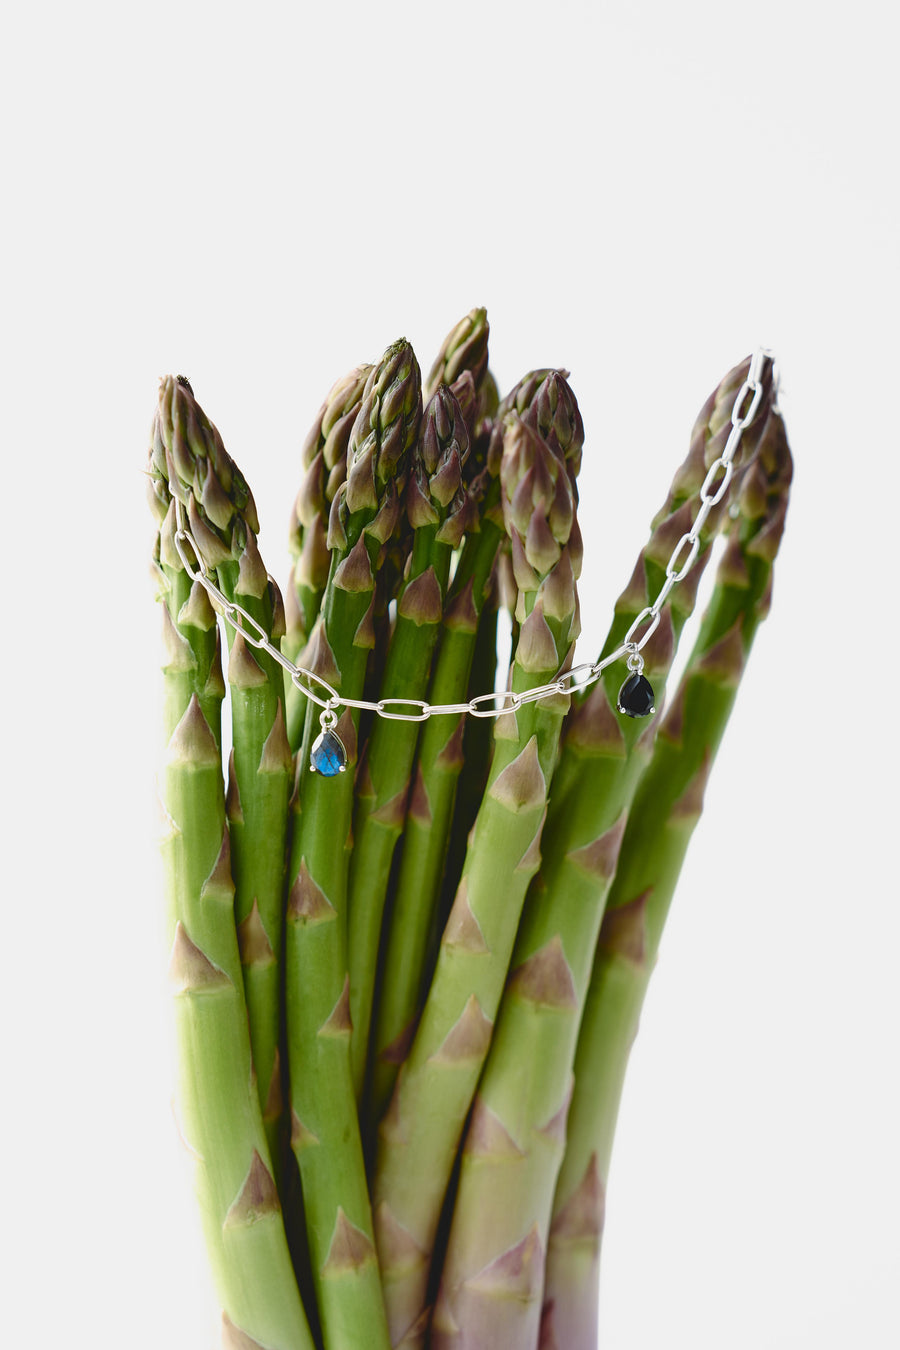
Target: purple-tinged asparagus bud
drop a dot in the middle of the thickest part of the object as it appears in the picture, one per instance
(465, 348)
(555, 413)
(324, 453)
(464, 391)
(197, 463)
(387, 423)
(187, 452)
(519, 401)
(383, 433)
(537, 497)
(436, 468)
(329, 435)
(435, 494)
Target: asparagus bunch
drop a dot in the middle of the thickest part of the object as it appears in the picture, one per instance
(409, 956)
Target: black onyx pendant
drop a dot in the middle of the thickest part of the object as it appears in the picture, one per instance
(328, 756)
(636, 696)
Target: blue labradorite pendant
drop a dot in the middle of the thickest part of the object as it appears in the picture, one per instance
(328, 756)
(636, 696)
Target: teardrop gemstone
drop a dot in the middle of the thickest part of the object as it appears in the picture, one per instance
(328, 756)
(636, 696)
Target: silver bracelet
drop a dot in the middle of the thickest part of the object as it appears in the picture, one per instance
(636, 699)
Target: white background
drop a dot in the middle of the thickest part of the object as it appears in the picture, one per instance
(260, 198)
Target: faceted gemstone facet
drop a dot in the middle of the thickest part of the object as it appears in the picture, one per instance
(328, 756)
(636, 696)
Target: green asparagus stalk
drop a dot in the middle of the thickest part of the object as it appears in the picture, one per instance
(432, 834)
(428, 818)
(516, 1136)
(325, 1133)
(260, 769)
(438, 510)
(419, 1135)
(217, 1100)
(666, 807)
(324, 463)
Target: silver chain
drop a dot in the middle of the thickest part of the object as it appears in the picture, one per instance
(504, 701)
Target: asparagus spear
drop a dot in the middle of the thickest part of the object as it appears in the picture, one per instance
(260, 768)
(325, 1134)
(469, 625)
(545, 400)
(438, 510)
(516, 1137)
(462, 358)
(666, 808)
(217, 1102)
(324, 463)
(419, 1135)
